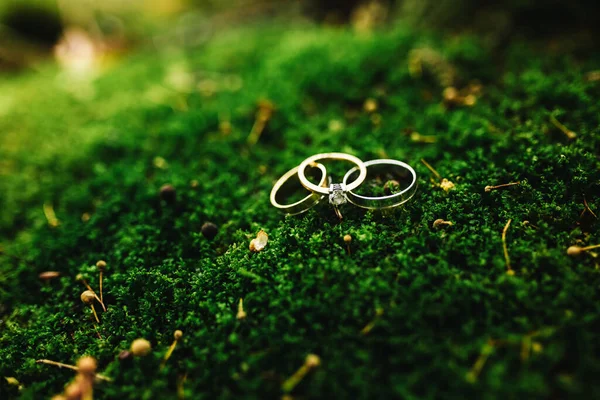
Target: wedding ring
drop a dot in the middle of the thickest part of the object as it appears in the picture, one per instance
(306, 203)
(383, 202)
(337, 192)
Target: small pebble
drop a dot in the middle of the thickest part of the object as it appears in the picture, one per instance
(167, 193)
(209, 230)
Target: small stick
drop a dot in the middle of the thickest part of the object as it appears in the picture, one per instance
(312, 361)
(369, 327)
(338, 213)
(509, 269)
(180, 391)
(437, 175)
(525, 348)
(417, 137)
(444, 183)
(241, 314)
(50, 215)
(490, 188)
(263, 115)
(587, 207)
(101, 265)
(73, 367)
(527, 223)
(569, 133)
(80, 277)
(98, 332)
(473, 374)
(95, 314)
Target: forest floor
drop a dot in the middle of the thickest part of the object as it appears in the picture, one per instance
(406, 310)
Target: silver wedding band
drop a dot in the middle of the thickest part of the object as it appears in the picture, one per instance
(383, 202)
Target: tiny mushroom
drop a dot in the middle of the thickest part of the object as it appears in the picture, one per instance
(209, 230)
(311, 362)
(47, 275)
(167, 193)
(87, 297)
(140, 347)
(577, 250)
(87, 365)
(347, 240)
(101, 265)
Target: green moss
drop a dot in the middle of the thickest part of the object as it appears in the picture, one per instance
(444, 293)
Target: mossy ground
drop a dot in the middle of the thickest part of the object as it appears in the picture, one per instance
(440, 299)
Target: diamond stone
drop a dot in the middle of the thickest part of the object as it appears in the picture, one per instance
(337, 194)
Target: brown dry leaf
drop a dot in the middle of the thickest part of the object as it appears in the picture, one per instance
(447, 185)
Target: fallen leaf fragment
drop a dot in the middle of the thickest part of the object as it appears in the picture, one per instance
(260, 242)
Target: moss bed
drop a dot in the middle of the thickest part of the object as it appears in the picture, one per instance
(413, 312)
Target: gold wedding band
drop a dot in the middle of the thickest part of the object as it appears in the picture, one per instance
(306, 203)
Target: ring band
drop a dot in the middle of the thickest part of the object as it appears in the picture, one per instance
(306, 203)
(337, 192)
(383, 202)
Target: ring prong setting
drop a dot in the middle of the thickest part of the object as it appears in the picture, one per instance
(337, 194)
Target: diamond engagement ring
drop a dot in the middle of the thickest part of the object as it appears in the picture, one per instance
(337, 191)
